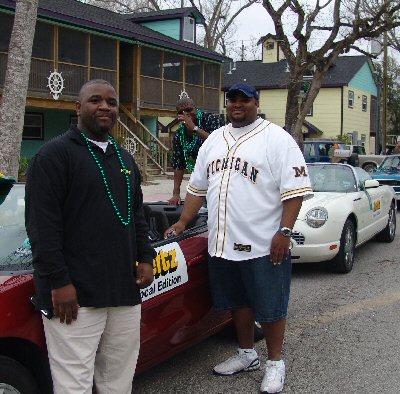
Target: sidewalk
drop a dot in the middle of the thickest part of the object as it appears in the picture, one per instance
(161, 189)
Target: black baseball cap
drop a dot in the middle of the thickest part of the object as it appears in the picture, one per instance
(247, 90)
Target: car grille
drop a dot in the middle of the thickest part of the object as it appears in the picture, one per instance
(389, 182)
(298, 237)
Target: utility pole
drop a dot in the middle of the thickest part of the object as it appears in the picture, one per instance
(242, 57)
(384, 90)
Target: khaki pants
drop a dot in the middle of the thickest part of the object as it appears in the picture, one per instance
(101, 345)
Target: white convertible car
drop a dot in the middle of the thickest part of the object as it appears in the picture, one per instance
(347, 209)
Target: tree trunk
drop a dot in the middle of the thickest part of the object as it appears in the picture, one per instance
(16, 86)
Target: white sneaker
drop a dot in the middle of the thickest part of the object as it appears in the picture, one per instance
(244, 360)
(274, 377)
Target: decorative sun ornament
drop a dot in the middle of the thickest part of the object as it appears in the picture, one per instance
(55, 84)
(183, 95)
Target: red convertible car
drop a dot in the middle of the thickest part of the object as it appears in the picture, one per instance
(176, 308)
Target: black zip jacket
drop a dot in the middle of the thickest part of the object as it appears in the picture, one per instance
(75, 233)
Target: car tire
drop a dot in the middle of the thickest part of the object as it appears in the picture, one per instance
(344, 260)
(389, 232)
(15, 378)
(369, 167)
(353, 160)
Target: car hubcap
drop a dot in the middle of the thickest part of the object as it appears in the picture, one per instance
(7, 389)
(348, 246)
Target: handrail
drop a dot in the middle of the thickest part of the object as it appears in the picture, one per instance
(133, 135)
(128, 113)
(152, 136)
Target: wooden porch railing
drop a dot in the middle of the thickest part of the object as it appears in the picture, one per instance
(157, 152)
(132, 143)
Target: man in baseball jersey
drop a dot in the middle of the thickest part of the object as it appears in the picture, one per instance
(254, 177)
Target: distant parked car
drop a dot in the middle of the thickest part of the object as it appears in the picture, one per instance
(347, 209)
(321, 151)
(367, 162)
(388, 173)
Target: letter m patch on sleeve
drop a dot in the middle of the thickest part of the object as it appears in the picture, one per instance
(299, 171)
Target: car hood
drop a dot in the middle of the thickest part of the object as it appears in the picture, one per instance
(321, 199)
(386, 174)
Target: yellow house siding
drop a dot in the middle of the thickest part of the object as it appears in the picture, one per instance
(273, 105)
(355, 119)
(327, 112)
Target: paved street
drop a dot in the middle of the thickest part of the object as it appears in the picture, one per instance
(343, 335)
(161, 189)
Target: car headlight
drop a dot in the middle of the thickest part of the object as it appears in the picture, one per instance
(316, 217)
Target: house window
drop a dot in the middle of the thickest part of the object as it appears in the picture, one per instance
(194, 71)
(72, 46)
(310, 111)
(98, 47)
(269, 46)
(172, 67)
(33, 126)
(43, 44)
(188, 29)
(364, 103)
(150, 62)
(351, 99)
(211, 75)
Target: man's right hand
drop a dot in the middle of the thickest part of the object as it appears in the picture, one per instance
(176, 229)
(175, 200)
(65, 303)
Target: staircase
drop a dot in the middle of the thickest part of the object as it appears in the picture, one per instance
(149, 152)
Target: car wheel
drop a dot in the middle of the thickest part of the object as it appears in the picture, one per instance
(344, 260)
(15, 378)
(389, 232)
(369, 167)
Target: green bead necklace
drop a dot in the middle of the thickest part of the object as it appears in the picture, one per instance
(124, 170)
(188, 146)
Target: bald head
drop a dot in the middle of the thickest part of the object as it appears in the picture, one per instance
(90, 83)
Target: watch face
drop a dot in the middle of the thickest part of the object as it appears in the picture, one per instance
(286, 232)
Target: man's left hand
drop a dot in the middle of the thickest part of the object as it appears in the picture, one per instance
(187, 120)
(144, 275)
(280, 248)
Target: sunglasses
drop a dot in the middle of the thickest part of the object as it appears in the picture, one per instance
(186, 111)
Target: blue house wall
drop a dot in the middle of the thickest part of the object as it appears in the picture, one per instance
(170, 28)
(364, 80)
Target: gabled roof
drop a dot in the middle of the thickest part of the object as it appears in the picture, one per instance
(275, 75)
(173, 13)
(75, 13)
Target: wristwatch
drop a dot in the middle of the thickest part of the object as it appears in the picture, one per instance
(195, 128)
(285, 231)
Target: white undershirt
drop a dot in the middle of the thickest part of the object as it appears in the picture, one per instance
(100, 144)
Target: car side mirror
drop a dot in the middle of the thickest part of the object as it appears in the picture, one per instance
(369, 183)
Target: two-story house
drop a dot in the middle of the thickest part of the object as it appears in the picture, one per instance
(150, 58)
(346, 103)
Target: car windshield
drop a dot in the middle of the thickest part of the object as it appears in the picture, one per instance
(390, 164)
(332, 178)
(15, 250)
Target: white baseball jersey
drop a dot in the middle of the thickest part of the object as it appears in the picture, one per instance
(245, 174)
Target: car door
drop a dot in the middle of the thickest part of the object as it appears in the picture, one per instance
(373, 216)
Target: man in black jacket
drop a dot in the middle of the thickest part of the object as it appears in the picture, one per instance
(85, 222)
